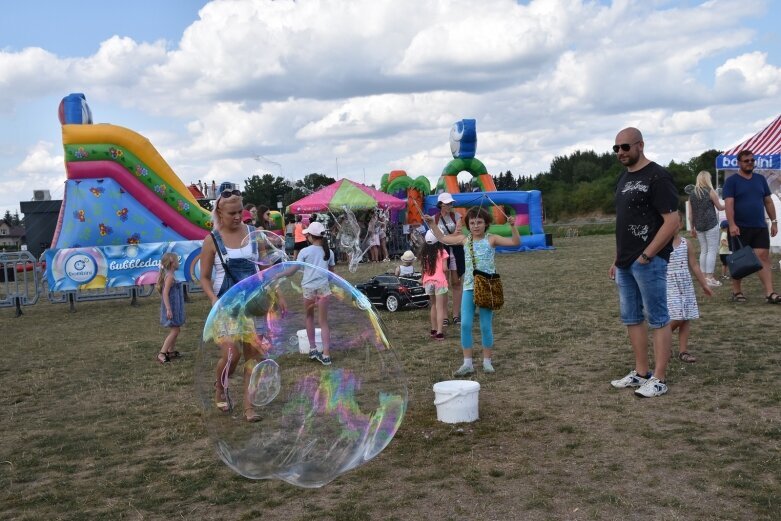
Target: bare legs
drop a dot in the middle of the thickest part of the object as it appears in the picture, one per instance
(662, 340)
(765, 275)
(455, 287)
(438, 311)
(169, 345)
(321, 304)
(683, 327)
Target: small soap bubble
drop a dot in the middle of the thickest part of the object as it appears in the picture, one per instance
(272, 408)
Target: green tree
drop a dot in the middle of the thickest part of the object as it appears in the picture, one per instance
(12, 219)
(303, 187)
(265, 190)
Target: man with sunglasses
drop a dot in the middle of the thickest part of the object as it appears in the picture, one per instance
(746, 198)
(646, 222)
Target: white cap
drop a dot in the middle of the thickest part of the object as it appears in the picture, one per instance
(315, 229)
(431, 238)
(445, 198)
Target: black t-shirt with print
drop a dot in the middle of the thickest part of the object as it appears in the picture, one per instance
(642, 198)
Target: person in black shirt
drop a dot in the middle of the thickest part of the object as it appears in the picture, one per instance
(646, 222)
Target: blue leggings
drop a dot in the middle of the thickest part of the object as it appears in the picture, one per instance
(486, 322)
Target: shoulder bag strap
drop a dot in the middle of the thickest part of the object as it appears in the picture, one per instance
(470, 240)
(218, 245)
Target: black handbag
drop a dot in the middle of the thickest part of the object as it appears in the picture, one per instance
(743, 262)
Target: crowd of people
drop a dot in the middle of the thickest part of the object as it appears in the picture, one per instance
(652, 268)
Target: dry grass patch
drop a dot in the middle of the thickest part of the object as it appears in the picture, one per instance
(93, 428)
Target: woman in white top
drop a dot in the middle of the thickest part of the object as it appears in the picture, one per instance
(231, 264)
(449, 222)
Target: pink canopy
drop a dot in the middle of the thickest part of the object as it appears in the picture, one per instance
(345, 193)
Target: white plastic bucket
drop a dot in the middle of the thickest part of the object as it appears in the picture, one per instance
(303, 341)
(456, 400)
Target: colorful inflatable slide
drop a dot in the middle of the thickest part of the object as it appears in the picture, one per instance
(119, 190)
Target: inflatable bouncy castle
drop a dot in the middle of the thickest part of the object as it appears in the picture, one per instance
(398, 184)
(521, 209)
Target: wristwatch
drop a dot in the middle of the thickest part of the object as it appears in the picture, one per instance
(645, 257)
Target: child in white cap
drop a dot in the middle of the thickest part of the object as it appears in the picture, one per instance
(433, 259)
(405, 269)
(316, 288)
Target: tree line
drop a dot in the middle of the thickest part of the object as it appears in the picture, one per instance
(585, 182)
(580, 183)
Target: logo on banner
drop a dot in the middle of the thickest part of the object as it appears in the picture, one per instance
(80, 268)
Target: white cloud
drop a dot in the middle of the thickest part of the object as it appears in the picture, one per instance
(750, 76)
(41, 169)
(379, 83)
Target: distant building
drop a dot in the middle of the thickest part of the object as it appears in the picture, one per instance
(40, 220)
(11, 237)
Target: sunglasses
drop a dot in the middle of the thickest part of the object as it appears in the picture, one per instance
(748, 160)
(624, 146)
(225, 194)
(230, 193)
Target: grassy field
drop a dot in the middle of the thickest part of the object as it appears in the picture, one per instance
(93, 428)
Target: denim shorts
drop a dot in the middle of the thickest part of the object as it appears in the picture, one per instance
(642, 293)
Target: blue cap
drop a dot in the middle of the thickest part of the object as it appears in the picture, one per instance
(724, 224)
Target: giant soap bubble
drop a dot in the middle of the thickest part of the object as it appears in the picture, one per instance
(284, 415)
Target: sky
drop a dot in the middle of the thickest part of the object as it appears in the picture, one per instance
(233, 88)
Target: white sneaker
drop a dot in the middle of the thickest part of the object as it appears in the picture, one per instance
(630, 380)
(488, 367)
(652, 387)
(713, 282)
(464, 370)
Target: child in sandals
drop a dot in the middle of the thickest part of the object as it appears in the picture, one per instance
(681, 300)
(171, 306)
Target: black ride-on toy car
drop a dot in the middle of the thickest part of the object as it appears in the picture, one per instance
(394, 292)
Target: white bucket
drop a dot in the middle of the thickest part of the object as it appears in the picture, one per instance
(303, 341)
(456, 400)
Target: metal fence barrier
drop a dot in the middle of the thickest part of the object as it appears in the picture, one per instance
(20, 279)
(22, 282)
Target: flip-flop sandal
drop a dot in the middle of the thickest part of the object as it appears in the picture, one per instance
(687, 357)
(773, 298)
(164, 360)
(738, 297)
(251, 416)
(174, 354)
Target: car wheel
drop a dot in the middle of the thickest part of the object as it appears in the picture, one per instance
(392, 302)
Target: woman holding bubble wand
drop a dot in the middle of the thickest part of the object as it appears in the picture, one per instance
(482, 248)
(233, 257)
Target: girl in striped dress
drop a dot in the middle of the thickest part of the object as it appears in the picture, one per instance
(681, 300)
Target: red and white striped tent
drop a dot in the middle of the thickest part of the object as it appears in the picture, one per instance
(766, 146)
